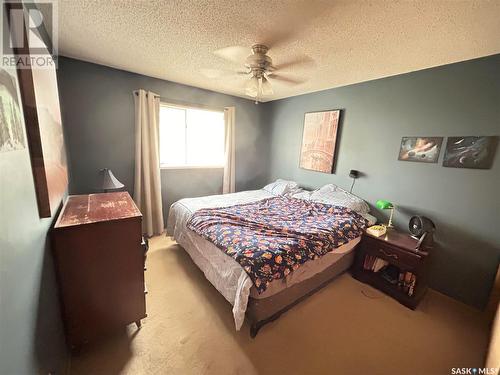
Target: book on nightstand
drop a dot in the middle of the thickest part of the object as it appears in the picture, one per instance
(377, 230)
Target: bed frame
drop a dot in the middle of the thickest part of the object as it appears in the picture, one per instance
(265, 310)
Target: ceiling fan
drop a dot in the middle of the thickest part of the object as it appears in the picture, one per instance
(259, 69)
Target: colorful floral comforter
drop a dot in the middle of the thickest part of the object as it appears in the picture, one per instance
(272, 237)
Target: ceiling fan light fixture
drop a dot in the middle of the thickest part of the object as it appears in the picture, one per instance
(267, 88)
(258, 69)
(252, 87)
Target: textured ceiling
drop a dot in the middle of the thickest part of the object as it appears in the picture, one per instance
(349, 41)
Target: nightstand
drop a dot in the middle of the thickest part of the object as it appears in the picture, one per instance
(393, 264)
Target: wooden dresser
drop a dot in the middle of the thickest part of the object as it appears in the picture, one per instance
(99, 264)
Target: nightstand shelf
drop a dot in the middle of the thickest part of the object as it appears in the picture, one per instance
(398, 250)
(373, 279)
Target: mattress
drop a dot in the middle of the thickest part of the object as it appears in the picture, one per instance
(225, 274)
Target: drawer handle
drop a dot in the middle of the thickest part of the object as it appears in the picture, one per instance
(395, 256)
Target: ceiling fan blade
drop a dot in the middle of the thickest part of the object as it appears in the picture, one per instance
(221, 73)
(300, 62)
(235, 54)
(286, 80)
(213, 73)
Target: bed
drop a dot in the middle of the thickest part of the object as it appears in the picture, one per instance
(233, 282)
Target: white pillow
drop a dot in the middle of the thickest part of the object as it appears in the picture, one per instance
(332, 194)
(302, 194)
(370, 218)
(282, 187)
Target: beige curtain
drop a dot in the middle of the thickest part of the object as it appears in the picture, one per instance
(228, 185)
(147, 183)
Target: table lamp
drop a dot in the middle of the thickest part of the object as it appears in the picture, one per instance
(386, 205)
(109, 181)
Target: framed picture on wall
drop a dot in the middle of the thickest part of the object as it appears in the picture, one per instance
(319, 141)
(420, 149)
(11, 121)
(470, 152)
(44, 132)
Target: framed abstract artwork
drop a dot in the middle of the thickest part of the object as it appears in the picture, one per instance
(319, 141)
(420, 149)
(470, 152)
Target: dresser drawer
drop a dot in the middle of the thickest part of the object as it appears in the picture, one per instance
(391, 253)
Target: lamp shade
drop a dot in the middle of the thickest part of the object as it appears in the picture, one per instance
(354, 173)
(267, 89)
(108, 181)
(384, 205)
(252, 87)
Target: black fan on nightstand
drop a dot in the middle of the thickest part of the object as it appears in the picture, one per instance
(422, 228)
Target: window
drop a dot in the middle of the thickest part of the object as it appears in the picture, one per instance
(191, 137)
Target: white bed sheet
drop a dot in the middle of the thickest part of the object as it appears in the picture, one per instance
(225, 274)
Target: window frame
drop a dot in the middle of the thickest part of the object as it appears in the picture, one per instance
(186, 107)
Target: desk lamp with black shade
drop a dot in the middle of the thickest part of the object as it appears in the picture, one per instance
(354, 174)
(108, 182)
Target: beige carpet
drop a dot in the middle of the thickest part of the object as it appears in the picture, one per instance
(346, 328)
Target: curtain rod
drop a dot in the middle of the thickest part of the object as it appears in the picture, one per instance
(179, 103)
(170, 103)
(136, 92)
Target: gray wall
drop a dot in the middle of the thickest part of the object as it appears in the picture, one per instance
(31, 335)
(453, 100)
(98, 113)
(31, 331)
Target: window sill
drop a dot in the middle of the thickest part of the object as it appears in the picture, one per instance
(192, 167)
